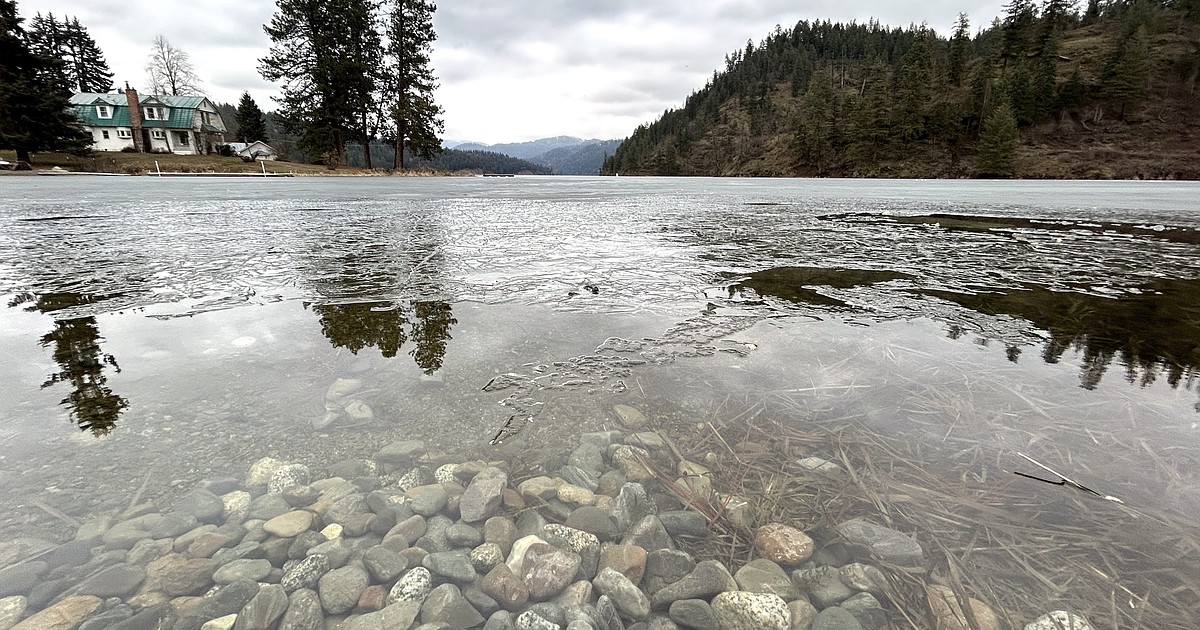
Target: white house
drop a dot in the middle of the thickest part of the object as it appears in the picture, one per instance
(185, 125)
(257, 150)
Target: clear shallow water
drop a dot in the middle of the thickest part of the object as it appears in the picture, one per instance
(197, 326)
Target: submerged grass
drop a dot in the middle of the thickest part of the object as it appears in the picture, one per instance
(1023, 547)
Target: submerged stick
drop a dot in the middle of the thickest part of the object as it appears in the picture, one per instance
(1065, 480)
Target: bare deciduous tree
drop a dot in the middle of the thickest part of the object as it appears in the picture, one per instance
(170, 72)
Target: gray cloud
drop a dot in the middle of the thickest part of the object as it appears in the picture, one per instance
(508, 70)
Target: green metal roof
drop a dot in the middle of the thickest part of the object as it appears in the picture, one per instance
(182, 114)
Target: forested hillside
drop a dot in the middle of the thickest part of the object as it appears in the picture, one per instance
(1045, 91)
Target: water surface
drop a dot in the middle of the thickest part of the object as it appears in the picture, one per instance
(173, 330)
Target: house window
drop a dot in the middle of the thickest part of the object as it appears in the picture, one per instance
(205, 117)
(103, 111)
(158, 134)
(104, 134)
(152, 113)
(124, 133)
(183, 138)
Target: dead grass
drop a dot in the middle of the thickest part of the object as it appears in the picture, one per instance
(1024, 548)
(144, 163)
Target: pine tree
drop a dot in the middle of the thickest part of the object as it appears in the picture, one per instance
(323, 51)
(912, 91)
(997, 145)
(85, 62)
(409, 81)
(250, 121)
(959, 43)
(35, 113)
(815, 130)
(1017, 29)
(45, 38)
(1127, 69)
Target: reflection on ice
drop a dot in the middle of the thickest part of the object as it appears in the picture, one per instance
(75, 344)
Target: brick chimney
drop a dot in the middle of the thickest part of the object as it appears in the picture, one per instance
(135, 119)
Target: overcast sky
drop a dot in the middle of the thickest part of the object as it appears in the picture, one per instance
(510, 71)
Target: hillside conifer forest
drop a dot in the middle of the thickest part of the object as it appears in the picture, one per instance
(1106, 90)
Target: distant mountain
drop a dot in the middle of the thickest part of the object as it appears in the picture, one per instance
(581, 159)
(563, 155)
(523, 150)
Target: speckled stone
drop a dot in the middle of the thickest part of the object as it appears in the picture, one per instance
(414, 586)
(1060, 620)
(577, 541)
(530, 620)
(287, 476)
(486, 556)
(260, 472)
(305, 573)
(632, 462)
(738, 610)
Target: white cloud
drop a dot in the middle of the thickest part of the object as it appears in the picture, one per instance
(509, 71)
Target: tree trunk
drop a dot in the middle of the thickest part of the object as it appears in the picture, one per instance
(398, 162)
(23, 155)
(366, 145)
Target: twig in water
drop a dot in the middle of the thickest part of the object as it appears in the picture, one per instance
(1066, 481)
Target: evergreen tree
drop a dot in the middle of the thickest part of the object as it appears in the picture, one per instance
(870, 129)
(35, 113)
(85, 62)
(960, 41)
(1017, 29)
(409, 82)
(997, 145)
(322, 51)
(1127, 69)
(45, 38)
(251, 124)
(815, 132)
(912, 92)
(84, 68)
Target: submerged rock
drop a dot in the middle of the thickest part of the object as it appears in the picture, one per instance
(1060, 620)
(882, 543)
(739, 610)
(783, 544)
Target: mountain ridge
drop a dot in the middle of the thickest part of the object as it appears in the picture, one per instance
(1043, 93)
(563, 155)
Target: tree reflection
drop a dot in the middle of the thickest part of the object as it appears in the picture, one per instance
(431, 331)
(1152, 331)
(388, 326)
(76, 349)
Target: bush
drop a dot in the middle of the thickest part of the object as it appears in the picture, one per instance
(224, 150)
(129, 149)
